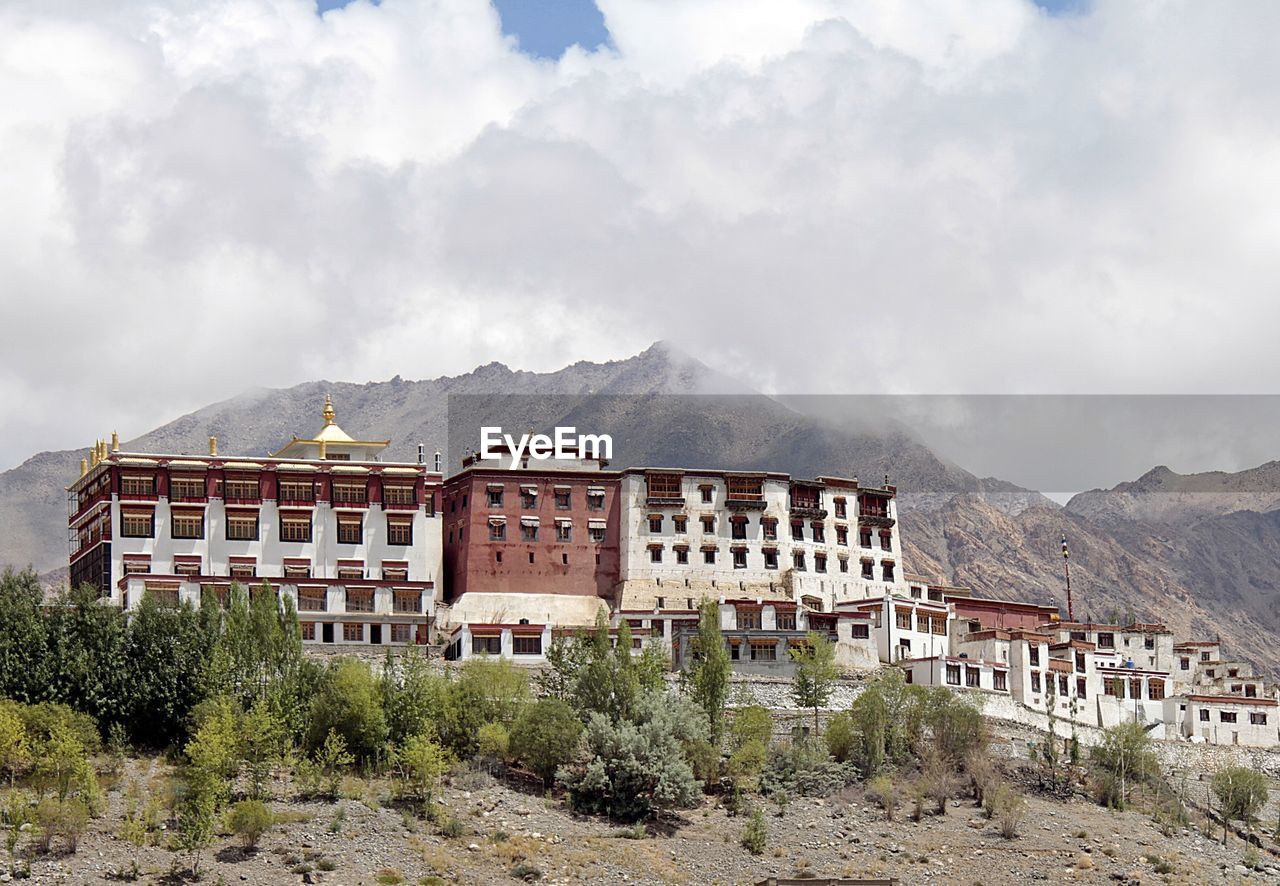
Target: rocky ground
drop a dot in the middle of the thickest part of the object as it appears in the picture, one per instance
(364, 839)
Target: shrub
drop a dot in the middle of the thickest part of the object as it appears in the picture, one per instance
(493, 742)
(249, 820)
(939, 780)
(982, 777)
(842, 741)
(882, 791)
(1241, 794)
(1010, 810)
(349, 703)
(453, 828)
(755, 836)
(526, 871)
(752, 723)
(546, 735)
(748, 760)
(419, 765)
(803, 768)
(1122, 759)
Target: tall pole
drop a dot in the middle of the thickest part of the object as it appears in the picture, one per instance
(1066, 568)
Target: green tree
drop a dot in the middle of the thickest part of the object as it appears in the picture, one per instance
(350, 703)
(197, 811)
(15, 814)
(546, 735)
(22, 642)
(419, 764)
(331, 758)
(213, 753)
(1124, 758)
(755, 836)
(1241, 793)
(707, 676)
(816, 673)
(262, 745)
(15, 751)
(415, 697)
(166, 655)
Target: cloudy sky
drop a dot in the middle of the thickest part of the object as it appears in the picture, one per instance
(201, 196)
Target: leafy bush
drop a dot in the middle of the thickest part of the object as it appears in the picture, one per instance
(883, 792)
(803, 768)
(249, 820)
(546, 735)
(1241, 793)
(526, 871)
(842, 740)
(1010, 810)
(493, 742)
(755, 836)
(419, 763)
(349, 703)
(752, 723)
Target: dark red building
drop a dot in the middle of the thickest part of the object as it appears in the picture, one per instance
(533, 530)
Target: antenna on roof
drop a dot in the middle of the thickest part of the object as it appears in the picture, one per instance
(1066, 568)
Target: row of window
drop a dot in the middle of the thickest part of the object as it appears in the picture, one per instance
(1256, 718)
(521, 644)
(799, 561)
(240, 488)
(293, 528)
(354, 633)
(530, 532)
(769, 529)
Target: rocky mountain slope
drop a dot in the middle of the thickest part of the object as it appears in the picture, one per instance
(1201, 553)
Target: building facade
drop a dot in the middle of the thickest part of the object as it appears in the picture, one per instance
(353, 540)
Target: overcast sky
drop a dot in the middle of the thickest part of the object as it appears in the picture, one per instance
(200, 196)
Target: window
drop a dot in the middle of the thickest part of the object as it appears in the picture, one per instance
(399, 494)
(1155, 690)
(353, 633)
(1063, 686)
(595, 499)
(953, 675)
(1211, 672)
(655, 553)
(744, 489)
(563, 503)
(188, 568)
(359, 600)
(706, 493)
(739, 528)
(658, 627)
(185, 487)
(886, 541)
(313, 600)
(497, 530)
(350, 493)
(137, 525)
(1112, 688)
(399, 531)
(243, 527)
(137, 567)
(655, 522)
(307, 629)
(764, 652)
(842, 535)
(1148, 642)
(291, 528)
(564, 531)
(407, 601)
(797, 561)
(999, 681)
(595, 533)
(1204, 715)
(709, 555)
(664, 486)
(296, 490)
(401, 633)
(861, 632)
(187, 525)
(680, 522)
(770, 559)
(797, 530)
(1204, 656)
(866, 568)
(527, 645)
(350, 530)
(972, 677)
(243, 570)
(528, 531)
(1033, 655)
(1257, 719)
(486, 645)
(902, 619)
(887, 568)
(1080, 687)
(682, 556)
(1233, 672)
(864, 538)
(138, 484)
(819, 562)
(495, 497)
(844, 564)
(241, 488)
(786, 621)
(1035, 681)
(1184, 664)
(748, 619)
(842, 508)
(1106, 641)
(740, 559)
(769, 528)
(497, 556)
(1227, 716)
(528, 497)
(708, 524)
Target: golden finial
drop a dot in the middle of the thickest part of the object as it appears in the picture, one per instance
(328, 411)
(84, 466)
(115, 441)
(213, 445)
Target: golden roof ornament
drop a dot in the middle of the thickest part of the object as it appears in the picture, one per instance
(328, 411)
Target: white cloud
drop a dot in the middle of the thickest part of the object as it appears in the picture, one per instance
(822, 196)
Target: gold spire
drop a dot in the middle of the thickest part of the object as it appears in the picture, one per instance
(115, 441)
(328, 411)
(84, 466)
(213, 445)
